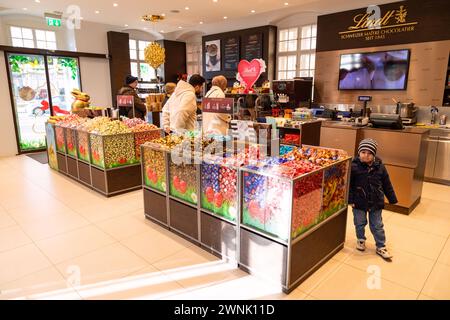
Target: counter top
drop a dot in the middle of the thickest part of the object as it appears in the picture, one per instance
(351, 126)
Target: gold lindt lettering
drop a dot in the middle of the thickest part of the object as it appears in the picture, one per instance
(363, 20)
(359, 22)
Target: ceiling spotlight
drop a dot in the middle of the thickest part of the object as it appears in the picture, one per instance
(97, 12)
(163, 14)
(215, 0)
(126, 25)
(145, 28)
(186, 8)
(180, 27)
(115, 5)
(286, 3)
(162, 31)
(37, 1)
(225, 18)
(253, 11)
(24, 9)
(201, 22)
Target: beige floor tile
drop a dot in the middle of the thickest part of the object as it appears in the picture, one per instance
(423, 222)
(435, 191)
(13, 198)
(444, 257)
(345, 252)
(12, 237)
(319, 276)
(20, 262)
(74, 243)
(100, 211)
(148, 284)
(351, 283)
(30, 212)
(294, 295)
(154, 245)
(126, 226)
(108, 263)
(437, 285)
(417, 242)
(5, 220)
(406, 269)
(47, 284)
(54, 225)
(424, 297)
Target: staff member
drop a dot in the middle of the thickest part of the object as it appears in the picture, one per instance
(129, 89)
(179, 113)
(217, 123)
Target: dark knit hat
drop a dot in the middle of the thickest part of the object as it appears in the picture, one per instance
(130, 79)
(368, 145)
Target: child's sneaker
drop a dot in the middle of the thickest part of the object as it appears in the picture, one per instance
(361, 245)
(384, 253)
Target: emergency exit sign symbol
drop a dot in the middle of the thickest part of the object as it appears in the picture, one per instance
(53, 22)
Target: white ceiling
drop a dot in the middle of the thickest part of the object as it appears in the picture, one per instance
(128, 14)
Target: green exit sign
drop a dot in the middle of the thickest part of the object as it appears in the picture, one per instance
(53, 22)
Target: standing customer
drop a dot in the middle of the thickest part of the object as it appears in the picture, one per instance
(179, 113)
(129, 89)
(216, 123)
(369, 183)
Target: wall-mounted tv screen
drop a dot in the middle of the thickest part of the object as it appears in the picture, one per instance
(386, 70)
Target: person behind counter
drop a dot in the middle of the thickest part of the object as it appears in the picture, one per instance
(179, 113)
(169, 88)
(369, 183)
(129, 89)
(216, 123)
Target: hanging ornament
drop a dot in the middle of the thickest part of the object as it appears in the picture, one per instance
(155, 55)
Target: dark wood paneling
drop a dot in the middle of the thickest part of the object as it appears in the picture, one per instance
(309, 251)
(310, 134)
(155, 206)
(263, 256)
(98, 179)
(62, 165)
(72, 167)
(219, 235)
(432, 17)
(184, 218)
(124, 178)
(119, 62)
(84, 172)
(269, 50)
(175, 60)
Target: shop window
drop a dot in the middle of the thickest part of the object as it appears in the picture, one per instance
(138, 66)
(33, 38)
(45, 39)
(193, 58)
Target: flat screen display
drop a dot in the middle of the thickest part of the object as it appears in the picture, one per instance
(386, 70)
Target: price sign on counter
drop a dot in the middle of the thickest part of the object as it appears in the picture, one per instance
(125, 101)
(218, 105)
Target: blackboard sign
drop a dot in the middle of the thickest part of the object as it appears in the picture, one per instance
(231, 54)
(252, 46)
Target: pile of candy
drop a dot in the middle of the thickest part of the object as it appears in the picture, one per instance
(319, 156)
(112, 127)
(141, 127)
(93, 124)
(130, 123)
(168, 141)
(71, 121)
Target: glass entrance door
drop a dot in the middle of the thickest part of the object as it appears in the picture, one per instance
(30, 99)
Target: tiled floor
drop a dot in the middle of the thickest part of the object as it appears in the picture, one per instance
(59, 240)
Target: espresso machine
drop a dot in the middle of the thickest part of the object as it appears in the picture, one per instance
(291, 94)
(407, 111)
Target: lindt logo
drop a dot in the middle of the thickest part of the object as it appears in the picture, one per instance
(372, 18)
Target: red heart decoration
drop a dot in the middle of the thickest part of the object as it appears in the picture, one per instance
(249, 71)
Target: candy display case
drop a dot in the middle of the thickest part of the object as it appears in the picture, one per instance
(183, 183)
(154, 162)
(141, 137)
(51, 145)
(112, 151)
(71, 141)
(60, 133)
(83, 149)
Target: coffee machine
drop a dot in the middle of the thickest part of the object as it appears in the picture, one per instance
(407, 112)
(291, 94)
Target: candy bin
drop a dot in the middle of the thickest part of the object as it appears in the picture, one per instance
(141, 137)
(60, 139)
(154, 165)
(285, 149)
(83, 145)
(219, 177)
(307, 202)
(335, 189)
(183, 177)
(71, 139)
(111, 151)
(51, 145)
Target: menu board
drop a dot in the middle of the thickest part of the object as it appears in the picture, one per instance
(252, 46)
(231, 54)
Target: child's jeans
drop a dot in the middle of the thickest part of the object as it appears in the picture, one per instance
(375, 223)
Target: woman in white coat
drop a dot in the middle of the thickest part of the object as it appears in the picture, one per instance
(216, 123)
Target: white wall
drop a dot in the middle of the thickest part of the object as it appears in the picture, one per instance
(92, 37)
(95, 80)
(8, 146)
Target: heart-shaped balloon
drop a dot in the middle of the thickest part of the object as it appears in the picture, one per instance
(249, 71)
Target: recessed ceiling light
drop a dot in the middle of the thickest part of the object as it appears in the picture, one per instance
(215, 0)
(286, 3)
(25, 9)
(37, 1)
(162, 31)
(145, 28)
(180, 27)
(186, 8)
(225, 18)
(201, 22)
(126, 25)
(253, 11)
(163, 14)
(97, 12)
(115, 5)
